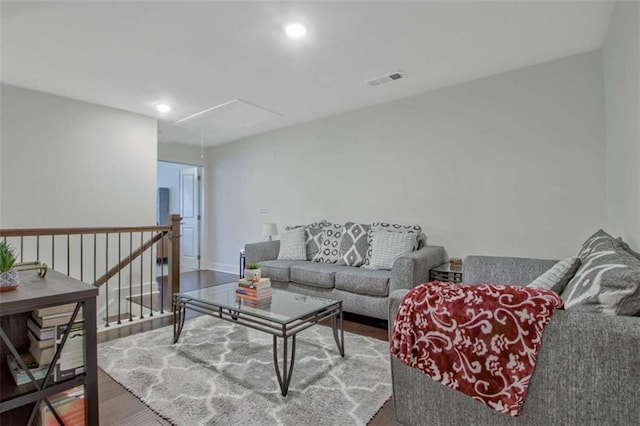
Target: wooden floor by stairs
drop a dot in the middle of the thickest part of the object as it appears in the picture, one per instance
(119, 407)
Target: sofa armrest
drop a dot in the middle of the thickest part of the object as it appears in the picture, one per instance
(503, 270)
(413, 268)
(264, 250)
(587, 372)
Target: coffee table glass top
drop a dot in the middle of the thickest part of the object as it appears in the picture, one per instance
(282, 307)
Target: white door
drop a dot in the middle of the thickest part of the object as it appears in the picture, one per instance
(190, 214)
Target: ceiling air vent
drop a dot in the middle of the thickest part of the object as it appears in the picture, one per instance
(385, 79)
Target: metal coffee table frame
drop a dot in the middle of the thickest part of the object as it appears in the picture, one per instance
(278, 329)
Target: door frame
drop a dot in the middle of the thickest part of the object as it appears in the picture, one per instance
(200, 204)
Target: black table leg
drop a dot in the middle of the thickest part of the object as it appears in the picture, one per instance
(285, 378)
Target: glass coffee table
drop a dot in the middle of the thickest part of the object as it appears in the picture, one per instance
(283, 315)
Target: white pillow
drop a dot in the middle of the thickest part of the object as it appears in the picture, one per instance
(292, 245)
(387, 246)
(557, 278)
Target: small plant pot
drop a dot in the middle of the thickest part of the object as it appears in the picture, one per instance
(9, 280)
(249, 274)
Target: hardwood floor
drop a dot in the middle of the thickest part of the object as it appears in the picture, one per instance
(119, 407)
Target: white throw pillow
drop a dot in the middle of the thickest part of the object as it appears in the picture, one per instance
(387, 246)
(558, 276)
(292, 246)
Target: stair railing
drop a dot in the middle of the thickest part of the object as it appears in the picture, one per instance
(110, 256)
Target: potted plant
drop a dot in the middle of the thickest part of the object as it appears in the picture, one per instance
(252, 271)
(9, 278)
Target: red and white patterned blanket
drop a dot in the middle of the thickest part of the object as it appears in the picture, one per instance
(481, 340)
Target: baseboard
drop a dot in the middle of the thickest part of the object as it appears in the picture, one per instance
(223, 267)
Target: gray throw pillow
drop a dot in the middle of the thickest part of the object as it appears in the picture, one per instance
(313, 236)
(355, 244)
(410, 229)
(330, 245)
(628, 249)
(608, 281)
(292, 245)
(387, 246)
(597, 242)
(558, 276)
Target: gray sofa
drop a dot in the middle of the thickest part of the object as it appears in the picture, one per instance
(362, 291)
(587, 371)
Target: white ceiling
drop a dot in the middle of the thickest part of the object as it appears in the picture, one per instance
(196, 55)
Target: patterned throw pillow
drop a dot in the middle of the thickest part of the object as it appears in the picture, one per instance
(313, 236)
(355, 244)
(597, 242)
(608, 280)
(410, 229)
(627, 248)
(330, 245)
(387, 246)
(292, 245)
(557, 278)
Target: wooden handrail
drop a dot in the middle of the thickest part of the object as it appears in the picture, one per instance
(32, 232)
(127, 260)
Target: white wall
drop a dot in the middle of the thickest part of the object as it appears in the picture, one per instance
(511, 164)
(72, 163)
(621, 62)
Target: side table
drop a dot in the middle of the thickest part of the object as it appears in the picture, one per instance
(446, 273)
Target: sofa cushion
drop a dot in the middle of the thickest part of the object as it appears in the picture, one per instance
(278, 270)
(557, 278)
(315, 274)
(330, 245)
(292, 245)
(608, 281)
(364, 281)
(354, 244)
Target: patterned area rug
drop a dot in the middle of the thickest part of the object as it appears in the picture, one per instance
(223, 374)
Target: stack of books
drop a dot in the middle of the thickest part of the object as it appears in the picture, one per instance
(254, 293)
(41, 330)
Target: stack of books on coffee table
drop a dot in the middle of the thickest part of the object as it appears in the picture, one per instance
(254, 293)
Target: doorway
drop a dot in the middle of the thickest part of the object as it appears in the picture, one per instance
(180, 192)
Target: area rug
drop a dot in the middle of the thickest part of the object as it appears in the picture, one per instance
(222, 374)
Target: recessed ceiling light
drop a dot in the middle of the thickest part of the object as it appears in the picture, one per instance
(295, 30)
(163, 107)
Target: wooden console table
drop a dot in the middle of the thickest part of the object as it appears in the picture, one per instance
(17, 403)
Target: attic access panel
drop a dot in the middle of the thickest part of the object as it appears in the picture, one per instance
(232, 115)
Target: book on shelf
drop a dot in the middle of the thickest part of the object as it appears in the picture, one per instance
(40, 332)
(71, 360)
(53, 310)
(52, 320)
(42, 356)
(19, 375)
(39, 343)
(69, 405)
(263, 283)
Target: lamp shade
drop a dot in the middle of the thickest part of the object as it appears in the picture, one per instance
(269, 229)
